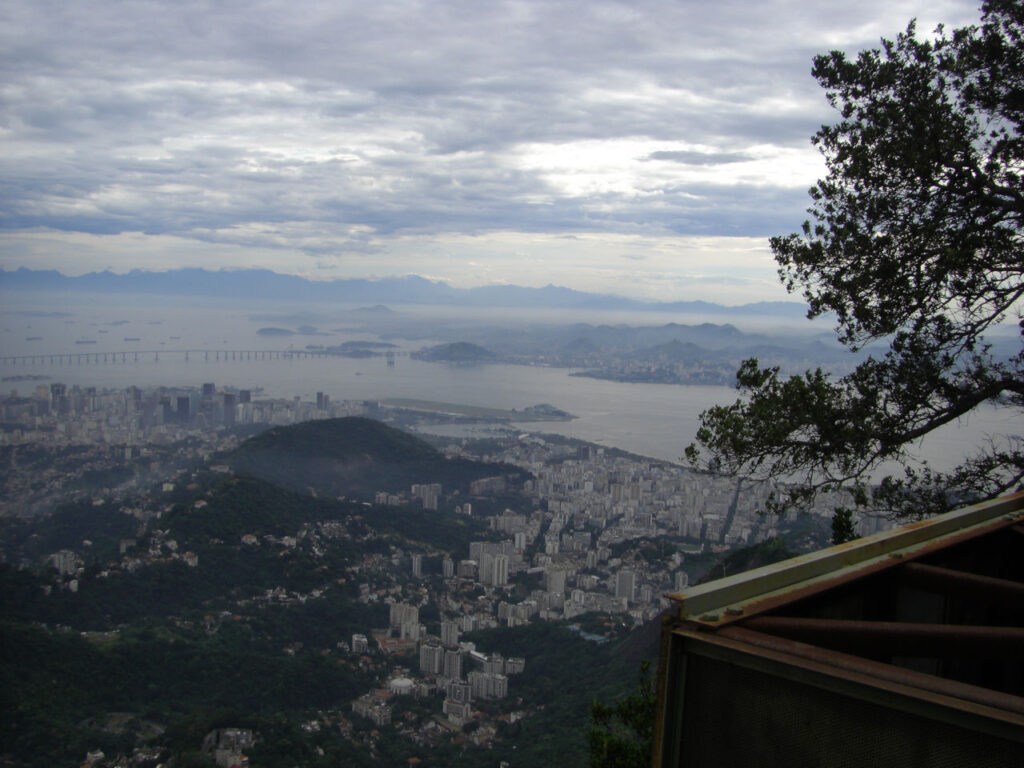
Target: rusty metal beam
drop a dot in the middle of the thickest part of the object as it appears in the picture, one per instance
(724, 601)
(899, 675)
(961, 583)
(892, 638)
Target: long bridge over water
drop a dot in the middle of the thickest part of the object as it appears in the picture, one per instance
(135, 356)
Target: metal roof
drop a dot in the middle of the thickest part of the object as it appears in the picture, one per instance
(730, 599)
(931, 611)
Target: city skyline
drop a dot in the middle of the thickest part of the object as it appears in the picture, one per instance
(646, 150)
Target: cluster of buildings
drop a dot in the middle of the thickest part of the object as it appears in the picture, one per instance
(56, 413)
(457, 671)
(597, 532)
(64, 436)
(581, 549)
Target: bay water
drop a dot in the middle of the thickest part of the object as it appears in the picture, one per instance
(656, 420)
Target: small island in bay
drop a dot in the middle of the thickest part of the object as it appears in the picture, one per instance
(457, 352)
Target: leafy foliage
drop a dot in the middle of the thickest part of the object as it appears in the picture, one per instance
(623, 735)
(915, 242)
(103, 525)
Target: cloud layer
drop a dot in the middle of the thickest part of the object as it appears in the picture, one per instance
(413, 136)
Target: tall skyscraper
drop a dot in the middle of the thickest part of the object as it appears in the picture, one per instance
(431, 658)
(229, 409)
(486, 568)
(625, 584)
(453, 664)
(184, 409)
(450, 633)
(500, 573)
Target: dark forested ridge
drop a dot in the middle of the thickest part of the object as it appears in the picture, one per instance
(354, 457)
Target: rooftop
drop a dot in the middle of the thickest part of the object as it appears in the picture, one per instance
(926, 618)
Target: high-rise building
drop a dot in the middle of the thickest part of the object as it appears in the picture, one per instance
(486, 575)
(431, 658)
(448, 567)
(57, 391)
(452, 664)
(417, 566)
(500, 572)
(184, 409)
(229, 409)
(359, 643)
(428, 493)
(402, 613)
(488, 685)
(450, 633)
(625, 584)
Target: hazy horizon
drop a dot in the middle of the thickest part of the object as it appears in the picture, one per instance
(641, 149)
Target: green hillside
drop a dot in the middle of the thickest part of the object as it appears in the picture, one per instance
(354, 457)
(231, 607)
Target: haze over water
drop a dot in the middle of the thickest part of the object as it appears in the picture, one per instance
(656, 420)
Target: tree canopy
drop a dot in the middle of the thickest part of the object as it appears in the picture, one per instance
(915, 242)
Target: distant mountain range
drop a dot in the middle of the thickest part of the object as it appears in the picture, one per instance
(264, 284)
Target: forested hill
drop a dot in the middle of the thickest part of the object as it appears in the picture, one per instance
(355, 457)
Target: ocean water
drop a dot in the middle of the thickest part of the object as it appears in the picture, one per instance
(655, 420)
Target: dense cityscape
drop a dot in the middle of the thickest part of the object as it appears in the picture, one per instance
(581, 541)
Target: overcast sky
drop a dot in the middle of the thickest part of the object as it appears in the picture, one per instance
(642, 148)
